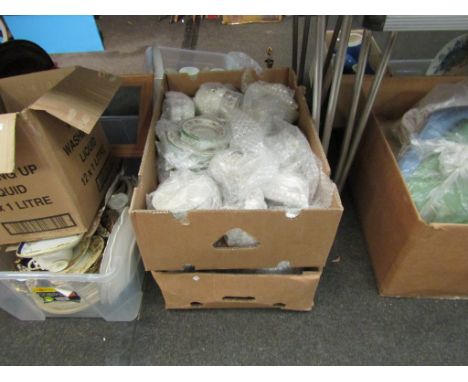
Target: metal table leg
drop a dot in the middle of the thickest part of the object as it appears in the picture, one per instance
(336, 82)
(361, 69)
(305, 42)
(295, 37)
(368, 107)
(331, 47)
(328, 66)
(320, 25)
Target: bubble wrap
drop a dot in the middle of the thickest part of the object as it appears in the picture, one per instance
(252, 200)
(240, 172)
(216, 99)
(283, 267)
(205, 133)
(287, 189)
(177, 106)
(295, 156)
(184, 191)
(247, 134)
(323, 196)
(176, 153)
(263, 101)
(237, 237)
(268, 164)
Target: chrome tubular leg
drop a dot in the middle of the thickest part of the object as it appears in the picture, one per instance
(368, 107)
(295, 36)
(305, 42)
(332, 45)
(336, 82)
(361, 69)
(320, 26)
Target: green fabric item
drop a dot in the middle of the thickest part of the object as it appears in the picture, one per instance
(439, 185)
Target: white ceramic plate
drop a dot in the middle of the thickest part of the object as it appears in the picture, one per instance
(451, 59)
(87, 256)
(36, 248)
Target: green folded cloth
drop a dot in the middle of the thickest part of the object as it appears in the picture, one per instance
(439, 183)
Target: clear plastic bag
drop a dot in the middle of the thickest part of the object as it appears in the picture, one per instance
(163, 126)
(439, 183)
(241, 172)
(295, 156)
(252, 200)
(263, 100)
(240, 60)
(287, 189)
(237, 237)
(434, 163)
(323, 197)
(443, 96)
(163, 170)
(283, 267)
(216, 99)
(190, 144)
(267, 158)
(439, 124)
(247, 133)
(184, 191)
(205, 133)
(177, 106)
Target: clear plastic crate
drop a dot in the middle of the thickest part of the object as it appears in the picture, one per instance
(114, 294)
(408, 67)
(161, 59)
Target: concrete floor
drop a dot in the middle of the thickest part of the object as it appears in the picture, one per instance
(127, 37)
(350, 324)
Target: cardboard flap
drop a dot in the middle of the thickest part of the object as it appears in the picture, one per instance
(7, 143)
(80, 98)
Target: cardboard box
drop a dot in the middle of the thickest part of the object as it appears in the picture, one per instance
(235, 290)
(410, 258)
(55, 163)
(244, 19)
(167, 243)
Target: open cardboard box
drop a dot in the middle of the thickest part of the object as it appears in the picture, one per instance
(55, 162)
(238, 290)
(169, 244)
(410, 257)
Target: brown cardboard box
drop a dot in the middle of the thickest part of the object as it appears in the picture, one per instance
(235, 290)
(54, 160)
(167, 243)
(244, 19)
(410, 257)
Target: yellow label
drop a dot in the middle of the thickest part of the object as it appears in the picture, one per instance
(44, 290)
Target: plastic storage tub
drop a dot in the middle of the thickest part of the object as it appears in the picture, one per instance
(408, 67)
(161, 59)
(114, 294)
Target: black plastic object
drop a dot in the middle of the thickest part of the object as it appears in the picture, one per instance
(22, 57)
(374, 23)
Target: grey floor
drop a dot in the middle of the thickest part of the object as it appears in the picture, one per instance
(350, 324)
